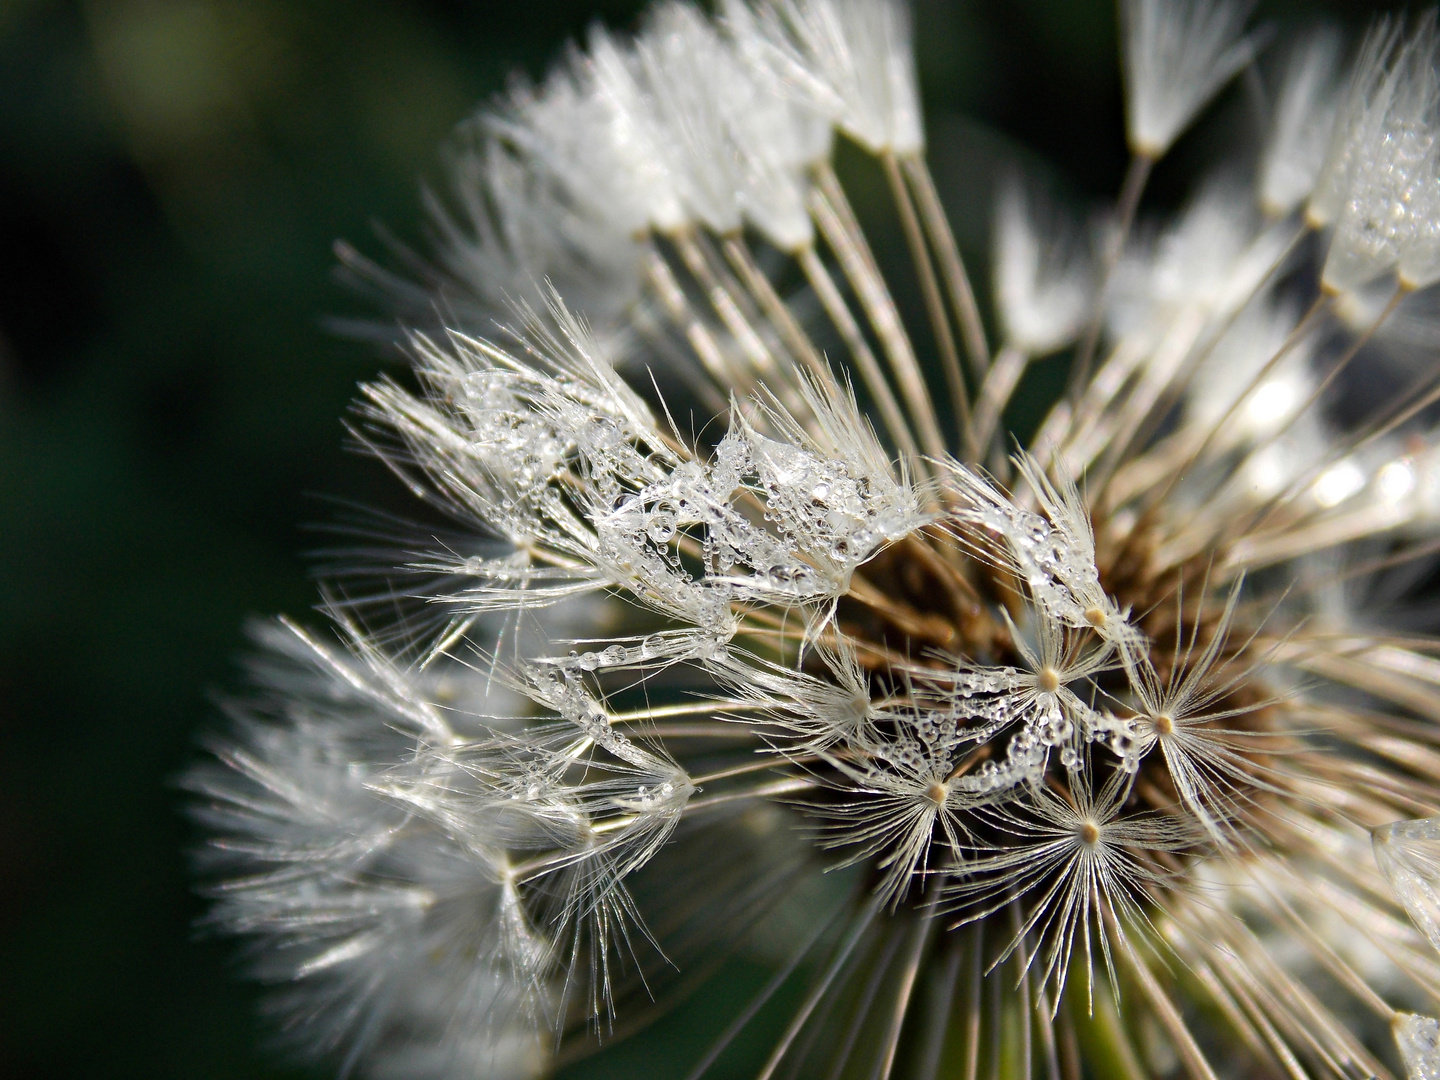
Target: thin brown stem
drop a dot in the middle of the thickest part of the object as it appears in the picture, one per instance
(874, 379)
(995, 393)
(930, 291)
(723, 303)
(1286, 347)
(672, 298)
(957, 282)
(1267, 510)
(769, 765)
(1131, 189)
(832, 214)
(776, 310)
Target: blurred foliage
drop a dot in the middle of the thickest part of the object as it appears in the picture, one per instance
(172, 175)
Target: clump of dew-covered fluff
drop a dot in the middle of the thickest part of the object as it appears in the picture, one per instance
(753, 633)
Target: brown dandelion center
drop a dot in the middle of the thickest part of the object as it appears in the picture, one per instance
(923, 607)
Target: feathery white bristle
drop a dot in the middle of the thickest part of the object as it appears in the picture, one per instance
(1178, 55)
(850, 60)
(1043, 284)
(1406, 852)
(516, 231)
(731, 140)
(1206, 260)
(1301, 120)
(1365, 95)
(1082, 848)
(1387, 222)
(386, 932)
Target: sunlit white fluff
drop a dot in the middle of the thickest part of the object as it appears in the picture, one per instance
(1177, 55)
(1301, 119)
(1190, 269)
(387, 935)
(1225, 391)
(1366, 94)
(1043, 286)
(850, 59)
(1419, 1040)
(1384, 225)
(515, 228)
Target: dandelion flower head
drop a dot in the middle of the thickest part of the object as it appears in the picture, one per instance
(753, 632)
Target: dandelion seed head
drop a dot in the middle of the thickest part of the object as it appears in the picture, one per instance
(754, 630)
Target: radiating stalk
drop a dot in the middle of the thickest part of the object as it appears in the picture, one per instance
(831, 212)
(995, 393)
(1027, 1009)
(758, 1002)
(764, 791)
(673, 298)
(1069, 1047)
(736, 313)
(842, 957)
(1314, 311)
(974, 1003)
(1131, 189)
(775, 308)
(924, 934)
(942, 238)
(930, 291)
(723, 303)
(1267, 510)
(1046, 1016)
(1107, 1044)
(938, 1015)
(870, 373)
(1165, 1011)
(1257, 1033)
(1292, 339)
(695, 377)
(1405, 415)
(878, 971)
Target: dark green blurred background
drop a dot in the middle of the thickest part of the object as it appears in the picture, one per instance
(172, 175)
